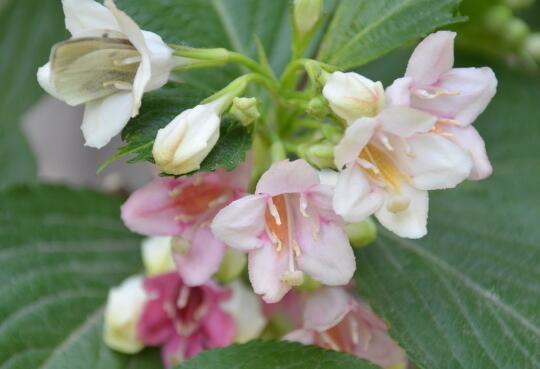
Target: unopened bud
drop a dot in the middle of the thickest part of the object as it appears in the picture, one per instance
(321, 155)
(317, 107)
(245, 110)
(362, 233)
(332, 133)
(231, 267)
(306, 15)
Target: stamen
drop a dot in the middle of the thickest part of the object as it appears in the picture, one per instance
(398, 203)
(183, 297)
(274, 211)
(303, 205)
(293, 279)
(296, 248)
(175, 192)
(219, 201)
(452, 122)
(184, 218)
(127, 61)
(119, 85)
(353, 329)
(329, 341)
(425, 94)
(367, 165)
(386, 142)
(410, 153)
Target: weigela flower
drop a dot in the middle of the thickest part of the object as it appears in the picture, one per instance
(184, 320)
(184, 143)
(183, 209)
(455, 95)
(335, 320)
(288, 227)
(107, 64)
(122, 313)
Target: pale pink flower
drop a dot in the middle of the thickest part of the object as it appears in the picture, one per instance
(184, 208)
(184, 320)
(335, 320)
(457, 96)
(288, 227)
(389, 162)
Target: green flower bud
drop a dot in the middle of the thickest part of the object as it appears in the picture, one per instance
(361, 234)
(231, 267)
(318, 106)
(245, 110)
(306, 15)
(321, 155)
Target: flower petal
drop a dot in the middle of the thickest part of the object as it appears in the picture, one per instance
(85, 17)
(405, 122)
(469, 139)
(471, 90)
(287, 177)
(161, 60)
(303, 336)
(104, 118)
(412, 222)
(44, 79)
(150, 210)
(433, 162)
(326, 254)
(399, 92)
(136, 37)
(202, 259)
(354, 198)
(431, 58)
(356, 137)
(326, 308)
(241, 223)
(266, 267)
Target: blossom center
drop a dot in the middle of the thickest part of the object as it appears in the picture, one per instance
(381, 168)
(198, 197)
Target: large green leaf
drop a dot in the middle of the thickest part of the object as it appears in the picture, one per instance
(467, 295)
(60, 251)
(28, 28)
(363, 30)
(274, 355)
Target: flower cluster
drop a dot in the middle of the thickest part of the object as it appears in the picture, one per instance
(370, 151)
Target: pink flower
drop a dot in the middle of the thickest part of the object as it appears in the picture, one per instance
(288, 227)
(335, 320)
(184, 208)
(457, 96)
(184, 320)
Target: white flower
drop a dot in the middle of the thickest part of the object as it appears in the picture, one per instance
(352, 96)
(122, 313)
(246, 309)
(107, 64)
(157, 255)
(182, 145)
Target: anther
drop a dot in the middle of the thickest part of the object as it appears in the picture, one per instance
(398, 203)
(127, 61)
(274, 211)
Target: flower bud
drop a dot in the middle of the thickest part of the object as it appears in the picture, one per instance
(317, 107)
(306, 15)
(157, 255)
(231, 267)
(362, 233)
(321, 155)
(352, 96)
(245, 110)
(122, 314)
(182, 145)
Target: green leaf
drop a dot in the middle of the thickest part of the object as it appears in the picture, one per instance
(159, 108)
(466, 296)
(363, 30)
(27, 31)
(274, 355)
(60, 251)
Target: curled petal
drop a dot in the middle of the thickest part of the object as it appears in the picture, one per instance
(411, 222)
(356, 137)
(266, 267)
(469, 139)
(354, 198)
(104, 118)
(241, 223)
(288, 177)
(326, 308)
(86, 17)
(431, 58)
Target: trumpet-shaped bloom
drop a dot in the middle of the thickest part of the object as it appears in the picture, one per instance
(288, 227)
(183, 208)
(457, 96)
(108, 64)
(184, 320)
(335, 320)
(389, 163)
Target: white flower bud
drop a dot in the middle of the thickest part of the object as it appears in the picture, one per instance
(306, 15)
(245, 308)
(122, 314)
(157, 255)
(182, 145)
(352, 96)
